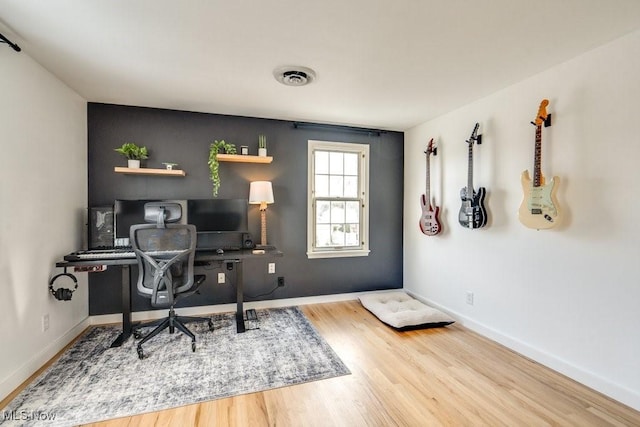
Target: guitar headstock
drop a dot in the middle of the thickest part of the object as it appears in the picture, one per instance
(542, 113)
(431, 149)
(474, 135)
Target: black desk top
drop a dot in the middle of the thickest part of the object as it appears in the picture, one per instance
(201, 256)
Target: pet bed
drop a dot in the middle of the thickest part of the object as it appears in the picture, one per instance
(401, 311)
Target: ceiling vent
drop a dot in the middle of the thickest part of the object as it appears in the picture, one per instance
(294, 76)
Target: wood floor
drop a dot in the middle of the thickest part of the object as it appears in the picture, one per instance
(447, 376)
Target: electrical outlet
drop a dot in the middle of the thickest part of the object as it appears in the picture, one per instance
(469, 297)
(280, 281)
(272, 268)
(221, 278)
(45, 322)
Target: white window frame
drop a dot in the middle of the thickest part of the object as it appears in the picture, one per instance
(363, 190)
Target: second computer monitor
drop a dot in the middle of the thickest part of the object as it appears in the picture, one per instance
(218, 215)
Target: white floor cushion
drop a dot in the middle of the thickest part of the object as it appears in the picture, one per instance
(401, 311)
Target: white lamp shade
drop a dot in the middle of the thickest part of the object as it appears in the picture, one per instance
(260, 192)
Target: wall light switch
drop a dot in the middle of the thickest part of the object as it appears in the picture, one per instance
(221, 278)
(272, 268)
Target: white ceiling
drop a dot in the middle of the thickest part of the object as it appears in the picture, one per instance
(387, 64)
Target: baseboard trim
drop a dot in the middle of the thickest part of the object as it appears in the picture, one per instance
(22, 374)
(619, 393)
(32, 365)
(140, 316)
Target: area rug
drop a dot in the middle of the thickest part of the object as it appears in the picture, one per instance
(92, 382)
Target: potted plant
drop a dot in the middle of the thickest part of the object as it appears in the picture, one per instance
(133, 153)
(214, 165)
(262, 145)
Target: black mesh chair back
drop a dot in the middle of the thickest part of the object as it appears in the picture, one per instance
(165, 255)
(165, 261)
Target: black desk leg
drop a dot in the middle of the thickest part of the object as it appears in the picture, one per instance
(239, 298)
(126, 307)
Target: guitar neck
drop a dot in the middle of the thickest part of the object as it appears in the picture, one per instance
(470, 170)
(428, 182)
(537, 158)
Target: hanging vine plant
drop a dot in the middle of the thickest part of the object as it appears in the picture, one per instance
(214, 166)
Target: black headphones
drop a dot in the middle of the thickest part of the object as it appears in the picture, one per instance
(63, 294)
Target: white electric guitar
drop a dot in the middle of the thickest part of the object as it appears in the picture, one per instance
(539, 208)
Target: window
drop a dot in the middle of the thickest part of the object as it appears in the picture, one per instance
(337, 206)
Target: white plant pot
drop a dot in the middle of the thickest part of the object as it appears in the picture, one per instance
(262, 152)
(133, 164)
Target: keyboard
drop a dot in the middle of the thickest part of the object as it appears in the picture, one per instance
(97, 254)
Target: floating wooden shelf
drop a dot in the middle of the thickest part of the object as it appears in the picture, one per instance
(148, 171)
(238, 158)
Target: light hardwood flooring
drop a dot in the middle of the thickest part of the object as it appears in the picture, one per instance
(432, 377)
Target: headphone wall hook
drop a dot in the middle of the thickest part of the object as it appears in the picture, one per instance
(63, 294)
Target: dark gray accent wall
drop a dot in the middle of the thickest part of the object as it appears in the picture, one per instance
(184, 138)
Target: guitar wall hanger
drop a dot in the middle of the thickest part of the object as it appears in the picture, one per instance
(547, 121)
(14, 46)
(434, 151)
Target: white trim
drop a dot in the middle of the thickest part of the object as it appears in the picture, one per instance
(20, 375)
(363, 150)
(223, 308)
(615, 391)
(338, 253)
(39, 360)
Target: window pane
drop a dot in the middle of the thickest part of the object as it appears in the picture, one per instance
(322, 185)
(336, 166)
(352, 213)
(352, 237)
(351, 164)
(322, 162)
(337, 235)
(323, 235)
(337, 212)
(336, 186)
(350, 186)
(323, 212)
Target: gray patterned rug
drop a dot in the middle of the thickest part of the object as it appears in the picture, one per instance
(92, 382)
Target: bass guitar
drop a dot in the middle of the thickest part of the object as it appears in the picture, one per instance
(472, 212)
(539, 208)
(429, 222)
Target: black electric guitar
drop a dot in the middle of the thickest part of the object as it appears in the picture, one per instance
(539, 208)
(472, 212)
(429, 222)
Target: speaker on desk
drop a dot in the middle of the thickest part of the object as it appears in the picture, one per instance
(100, 227)
(247, 241)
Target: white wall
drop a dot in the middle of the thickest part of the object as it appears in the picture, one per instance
(43, 176)
(567, 297)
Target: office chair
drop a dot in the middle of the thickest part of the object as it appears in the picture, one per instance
(165, 253)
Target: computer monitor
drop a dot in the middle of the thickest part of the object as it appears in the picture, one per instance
(218, 215)
(129, 212)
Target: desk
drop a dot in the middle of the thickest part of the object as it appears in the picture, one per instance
(236, 257)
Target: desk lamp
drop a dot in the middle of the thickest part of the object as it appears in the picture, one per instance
(261, 193)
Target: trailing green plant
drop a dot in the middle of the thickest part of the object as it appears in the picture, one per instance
(214, 166)
(133, 152)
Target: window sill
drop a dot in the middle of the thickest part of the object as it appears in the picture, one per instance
(338, 253)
